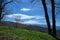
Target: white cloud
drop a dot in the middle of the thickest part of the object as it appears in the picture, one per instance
(8, 15)
(25, 9)
(23, 16)
(32, 22)
(39, 17)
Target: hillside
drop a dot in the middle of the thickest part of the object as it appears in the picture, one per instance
(11, 24)
(28, 27)
(24, 34)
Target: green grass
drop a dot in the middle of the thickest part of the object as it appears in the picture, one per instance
(25, 34)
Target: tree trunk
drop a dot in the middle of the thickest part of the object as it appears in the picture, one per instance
(47, 17)
(0, 14)
(53, 18)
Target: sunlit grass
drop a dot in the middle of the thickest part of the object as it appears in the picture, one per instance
(25, 34)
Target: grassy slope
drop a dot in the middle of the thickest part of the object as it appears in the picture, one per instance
(25, 34)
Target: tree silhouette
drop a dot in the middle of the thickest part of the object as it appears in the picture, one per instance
(17, 19)
(46, 16)
(3, 3)
(53, 18)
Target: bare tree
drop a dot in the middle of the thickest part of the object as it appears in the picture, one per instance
(46, 13)
(17, 19)
(53, 18)
(3, 3)
(46, 16)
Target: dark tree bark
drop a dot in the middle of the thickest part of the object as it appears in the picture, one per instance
(46, 16)
(2, 6)
(53, 18)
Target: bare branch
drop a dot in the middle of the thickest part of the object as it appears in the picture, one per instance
(1, 1)
(6, 4)
(2, 6)
(32, 1)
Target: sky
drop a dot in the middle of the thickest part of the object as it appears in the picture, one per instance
(30, 13)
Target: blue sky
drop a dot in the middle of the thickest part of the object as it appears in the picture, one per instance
(30, 13)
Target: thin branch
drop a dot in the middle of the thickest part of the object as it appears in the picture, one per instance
(6, 4)
(32, 1)
(1, 1)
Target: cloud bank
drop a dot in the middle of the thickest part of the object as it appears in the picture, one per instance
(23, 16)
(32, 22)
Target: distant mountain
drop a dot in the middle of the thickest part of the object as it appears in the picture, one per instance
(45, 26)
(12, 24)
(40, 28)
